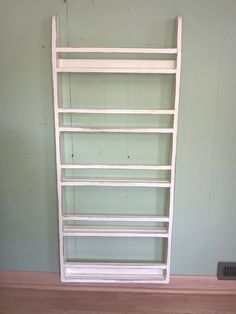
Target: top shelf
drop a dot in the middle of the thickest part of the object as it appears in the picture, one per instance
(101, 65)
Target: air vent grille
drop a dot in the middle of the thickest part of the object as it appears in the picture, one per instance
(226, 271)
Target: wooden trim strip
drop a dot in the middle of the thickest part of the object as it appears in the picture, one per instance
(115, 64)
(115, 182)
(174, 140)
(115, 218)
(178, 284)
(56, 81)
(115, 70)
(117, 50)
(71, 230)
(116, 130)
(116, 166)
(117, 111)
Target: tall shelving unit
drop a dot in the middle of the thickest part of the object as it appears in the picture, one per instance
(82, 225)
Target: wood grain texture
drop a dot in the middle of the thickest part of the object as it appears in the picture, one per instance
(178, 284)
(50, 301)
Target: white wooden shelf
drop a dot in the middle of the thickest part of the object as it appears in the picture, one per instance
(71, 230)
(117, 265)
(115, 61)
(115, 218)
(115, 182)
(116, 66)
(115, 130)
(116, 50)
(116, 167)
(119, 272)
(117, 111)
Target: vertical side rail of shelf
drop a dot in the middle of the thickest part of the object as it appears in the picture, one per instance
(174, 141)
(57, 140)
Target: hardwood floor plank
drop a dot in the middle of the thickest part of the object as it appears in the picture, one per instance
(24, 301)
(178, 284)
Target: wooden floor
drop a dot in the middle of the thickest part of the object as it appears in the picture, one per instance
(24, 301)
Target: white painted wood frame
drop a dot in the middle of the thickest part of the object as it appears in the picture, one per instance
(115, 272)
(115, 130)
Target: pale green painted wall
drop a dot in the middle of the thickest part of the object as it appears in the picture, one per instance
(205, 202)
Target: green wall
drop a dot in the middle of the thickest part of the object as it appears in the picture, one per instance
(205, 202)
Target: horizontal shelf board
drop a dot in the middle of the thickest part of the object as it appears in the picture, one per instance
(112, 279)
(115, 218)
(115, 182)
(117, 50)
(118, 111)
(115, 167)
(116, 130)
(102, 265)
(116, 70)
(114, 272)
(160, 232)
(118, 273)
(104, 65)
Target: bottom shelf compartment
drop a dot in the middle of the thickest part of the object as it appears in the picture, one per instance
(115, 273)
(114, 259)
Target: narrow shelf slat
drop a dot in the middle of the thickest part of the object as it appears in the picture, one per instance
(115, 265)
(115, 182)
(115, 70)
(118, 111)
(116, 167)
(115, 232)
(114, 279)
(116, 66)
(115, 218)
(115, 130)
(117, 50)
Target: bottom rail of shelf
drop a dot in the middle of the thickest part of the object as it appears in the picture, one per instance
(112, 273)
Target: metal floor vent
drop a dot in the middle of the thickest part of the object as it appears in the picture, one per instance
(226, 271)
